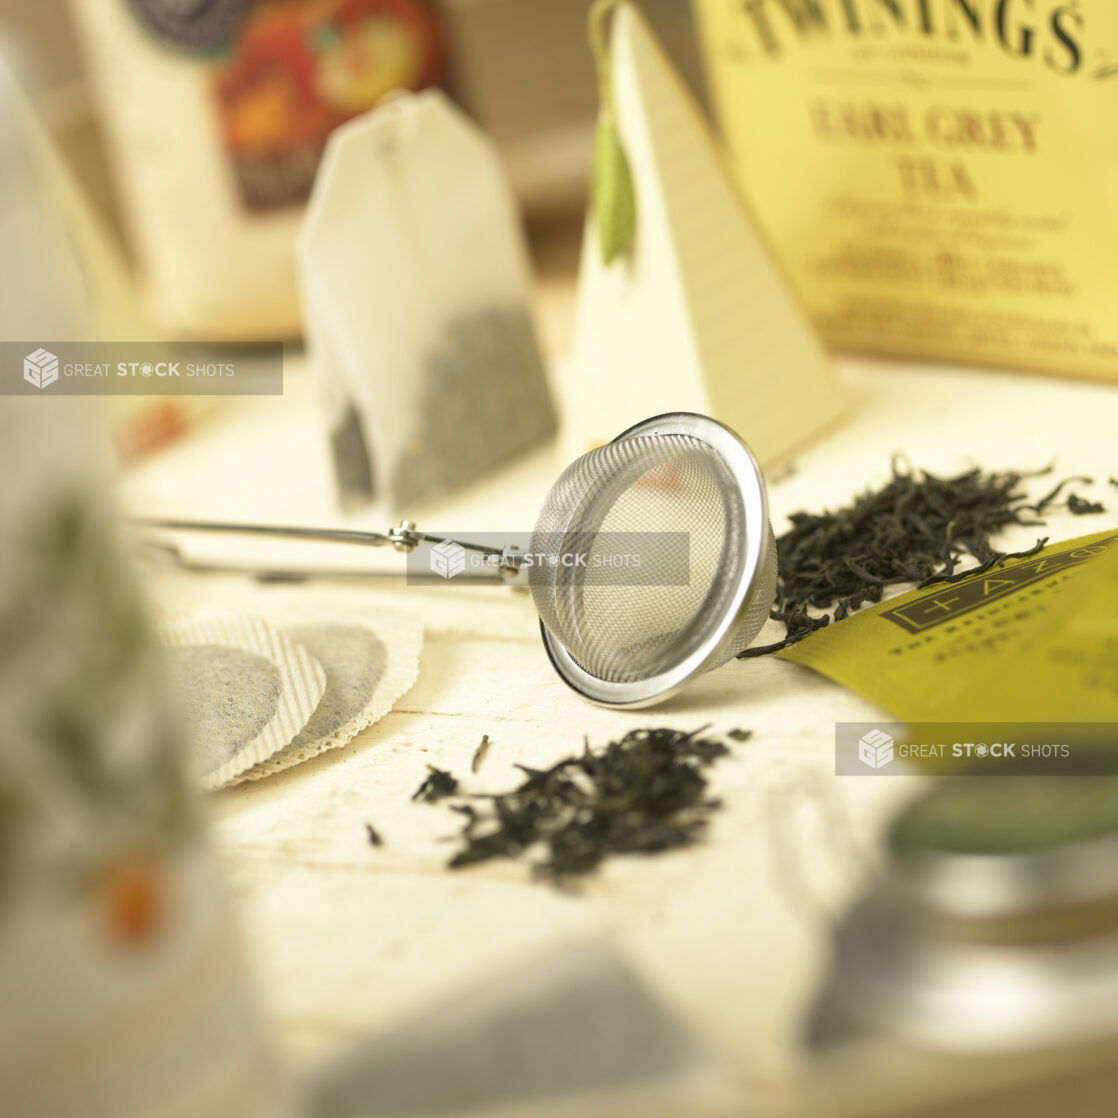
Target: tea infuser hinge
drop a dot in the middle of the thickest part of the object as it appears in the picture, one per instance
(404, 537)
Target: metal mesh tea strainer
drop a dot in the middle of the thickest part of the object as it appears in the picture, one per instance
(632, 642)
(629, 645)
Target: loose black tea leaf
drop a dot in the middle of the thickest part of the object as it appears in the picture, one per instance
(739, 735)
(437, 786)
(641, 795)
(916, 529)
(480, 754)
(995, 560)
(374, 835)
(1082, 507)
(1050, 497)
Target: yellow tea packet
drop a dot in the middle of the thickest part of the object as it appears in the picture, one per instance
(1035, 639)
(938, 177)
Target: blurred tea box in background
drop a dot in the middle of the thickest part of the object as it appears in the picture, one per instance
(938, 177)
(216, 119)
(198, 136)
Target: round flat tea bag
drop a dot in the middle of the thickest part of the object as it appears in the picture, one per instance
(244, 690)
(370, 661)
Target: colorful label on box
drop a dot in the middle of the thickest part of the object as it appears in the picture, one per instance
(297, 69)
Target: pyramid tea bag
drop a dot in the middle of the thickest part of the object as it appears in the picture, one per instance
(680, 306)
(415, 286)
(125, 990)
(111, 905)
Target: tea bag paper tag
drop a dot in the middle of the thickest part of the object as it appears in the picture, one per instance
(696, 316)
(416, 294)
(245, 688)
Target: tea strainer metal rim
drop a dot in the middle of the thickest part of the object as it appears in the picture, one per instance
(743, 467)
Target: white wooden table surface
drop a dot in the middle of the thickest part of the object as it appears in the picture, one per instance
(348, 940)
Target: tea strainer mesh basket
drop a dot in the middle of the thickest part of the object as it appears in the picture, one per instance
(684, 499)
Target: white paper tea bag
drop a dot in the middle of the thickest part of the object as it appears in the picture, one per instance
(338, 664)
(244, 690)
(570, 1031)
(370, 657)
(415, 286)
(695, 316)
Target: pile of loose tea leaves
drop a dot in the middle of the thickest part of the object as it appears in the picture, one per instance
(918, 529)
(644, 794)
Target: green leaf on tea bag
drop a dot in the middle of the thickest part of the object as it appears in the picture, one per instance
(612, 195)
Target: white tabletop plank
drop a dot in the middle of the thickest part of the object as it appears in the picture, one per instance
(350, 940)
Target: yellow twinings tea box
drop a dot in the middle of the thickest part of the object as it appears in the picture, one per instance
(938, 177)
